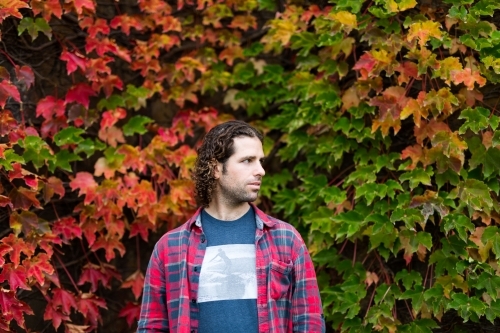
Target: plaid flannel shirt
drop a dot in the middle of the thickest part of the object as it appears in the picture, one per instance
(288, 297)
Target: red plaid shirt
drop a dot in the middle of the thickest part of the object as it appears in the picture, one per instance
(288, 298)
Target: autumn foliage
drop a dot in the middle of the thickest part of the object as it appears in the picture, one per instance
(381, 131)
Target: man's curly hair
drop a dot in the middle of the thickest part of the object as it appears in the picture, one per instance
(217, 146)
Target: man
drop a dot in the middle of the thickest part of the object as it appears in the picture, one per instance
(231, 268)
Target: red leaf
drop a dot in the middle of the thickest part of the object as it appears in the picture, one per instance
(4, 249)
(136, 282)
(47, 8)
(93, 274)
(7, 89)
(365, 65)
(80, 4)
(89, 228)
(84, 182)
(131, 312)
(18, 246)
(15, 276)
(80, 93)
(126, 22)
(12, 308)
(67, 228)
(37, 266)
(108, 83)
(52, 186)
(5, 201)
(73, 61)
(25, 75)
(23, 198)
(11, 8)
(99, 26)
(109, 118)
(101, 46)
(50, 106)
(141, 227)
(88, 305)
(63, 299)
(112, 135)
(53, 125)
(109, 244)
(7, 122)
(56, 315)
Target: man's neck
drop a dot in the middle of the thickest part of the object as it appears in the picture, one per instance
(224, 212)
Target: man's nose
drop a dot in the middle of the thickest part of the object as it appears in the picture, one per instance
(260, 170)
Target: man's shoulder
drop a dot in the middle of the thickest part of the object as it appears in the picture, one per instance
(279, 226)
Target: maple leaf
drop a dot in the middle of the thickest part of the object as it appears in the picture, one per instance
(88, 305)
(53, 125)
(365, 65)
(49, 107)
(108, 83)
(84, 182)
(12, 308)
(25, 75)
(18, 246)
(81, 4)
(126, 22)
(348, 20)
(100, 26)
(109, 244)
(63, 299)
(24, 198)
(423, 31)
(47, 8)
(446, 66)
(27, 222)
(56, 315)
(7, 89)
(231, 99)
(414, 107)
(470, 96)
(52, 186)
(135, 282)
(4, 249)
(92, 274)
(243, 22)
(467, 77)
(11, 8)
(385, 124)
(141, 227)
(408, 70)
(80, 93)
(112, 135)
(70, 328)
(415, 153)
(73, 60)
(67, 228)
(37, 266)
(7, 122)
(89, 228)
(131, 312)
(15, 276)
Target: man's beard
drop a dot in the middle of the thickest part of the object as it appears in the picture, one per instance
(236, 195)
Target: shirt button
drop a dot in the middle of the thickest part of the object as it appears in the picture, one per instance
(196, 269)
(193, 301)
(203, 239)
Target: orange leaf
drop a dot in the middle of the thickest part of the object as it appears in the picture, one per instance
(11, 8)
(468, 78)
(136, 283)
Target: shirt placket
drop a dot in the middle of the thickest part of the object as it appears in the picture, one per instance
(261, 264)
(199, 245)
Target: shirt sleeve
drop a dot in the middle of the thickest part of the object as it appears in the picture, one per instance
(307, 312)
(154, 316)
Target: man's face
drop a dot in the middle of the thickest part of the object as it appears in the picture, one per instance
(239, 181)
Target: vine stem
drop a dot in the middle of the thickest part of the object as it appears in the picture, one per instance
(69, 275)
(371, 300)
(138, 252)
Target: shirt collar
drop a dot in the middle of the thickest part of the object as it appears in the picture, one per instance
(261, 218)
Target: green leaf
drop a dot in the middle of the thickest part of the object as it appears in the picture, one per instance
(475, 194)
(63, 160)
(89, 146)
(34, 27)
(417, 176)
(110, 103)
(10, 157)
(476, 119)
(69, 135)
(491, 235)
(419, 326)
(136, 124)
(409, 278)
(490, 283)
(416, 295)
(459, 223)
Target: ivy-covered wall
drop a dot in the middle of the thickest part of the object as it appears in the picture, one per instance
(382, 138)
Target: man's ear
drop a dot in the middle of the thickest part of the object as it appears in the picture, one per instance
(217, 168)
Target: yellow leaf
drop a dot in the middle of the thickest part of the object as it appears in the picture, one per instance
(345, 18)
(406, 4)
(423, 31)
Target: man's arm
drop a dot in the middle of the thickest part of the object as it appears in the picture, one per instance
(307, 312)
(154, 316)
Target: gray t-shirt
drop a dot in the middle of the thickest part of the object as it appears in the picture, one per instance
(227, 292)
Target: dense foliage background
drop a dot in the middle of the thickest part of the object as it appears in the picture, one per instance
(381, 128)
